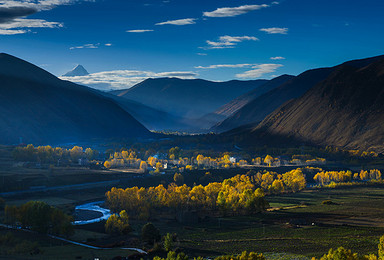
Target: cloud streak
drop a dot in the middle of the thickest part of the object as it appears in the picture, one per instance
(219, 66)
(87, 46)
(233, 11)
(228, 41)
(122, 79)
(179, 22)
(139, 31)
(275, 30)
(277, 58)
(258, 71)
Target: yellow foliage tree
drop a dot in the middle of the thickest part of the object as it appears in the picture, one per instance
(268, 160)
(107, 164)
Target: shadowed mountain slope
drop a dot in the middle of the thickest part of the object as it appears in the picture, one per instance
(151, 118)
(344, 110)
(239, 102)
(40, 108)
(257, 109)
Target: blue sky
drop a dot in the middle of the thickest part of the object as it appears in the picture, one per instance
(121, 42)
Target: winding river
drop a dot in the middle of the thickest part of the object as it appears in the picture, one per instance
(103, 213)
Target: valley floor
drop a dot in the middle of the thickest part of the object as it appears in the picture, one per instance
(297, 226)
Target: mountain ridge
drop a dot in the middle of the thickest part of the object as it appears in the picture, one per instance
(186, 98)
(79, 70)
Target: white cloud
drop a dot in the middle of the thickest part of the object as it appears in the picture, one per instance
(228, 41)
(201, 54)
(30, 23)
(13, 13)
(233, 11)
(219, 66)
(17, 26)
(39, 5)
(108, 44)
(139, 31)
(121, 79)
(179, 22)
(277, 58)
(86, 46)
(275, 30)
(259, 70)
(176, 74)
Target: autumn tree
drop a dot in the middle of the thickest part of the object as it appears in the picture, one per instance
(294, 180)
(143, 166)
(277, 186)
(200, 159)
(76, 153)
(118, 224)
(268, 160)
(174, 152)
(340, 254)
(90, 154)
(152, 161)
(107, 164)
(381, 248)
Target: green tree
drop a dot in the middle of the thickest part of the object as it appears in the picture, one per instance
(178, 178)
(173, 256)
(40, 217)
(168, 242)
(244, 256)
(91, 154)
(150, 233)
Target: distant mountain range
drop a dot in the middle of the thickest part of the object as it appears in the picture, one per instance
(37, 107)
(77, 71)
(190, 99)
(346, 109)
(150, 117)
(253, 106)
(340, 106)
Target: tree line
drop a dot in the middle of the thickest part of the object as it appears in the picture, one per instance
(234, 195)
(241, 194)
(324, 178)
(54, 155)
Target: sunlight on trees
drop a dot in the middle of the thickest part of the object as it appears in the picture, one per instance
(118, 224)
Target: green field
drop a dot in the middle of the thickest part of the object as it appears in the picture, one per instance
(54, 249)
(297, 226)
(355, 221)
